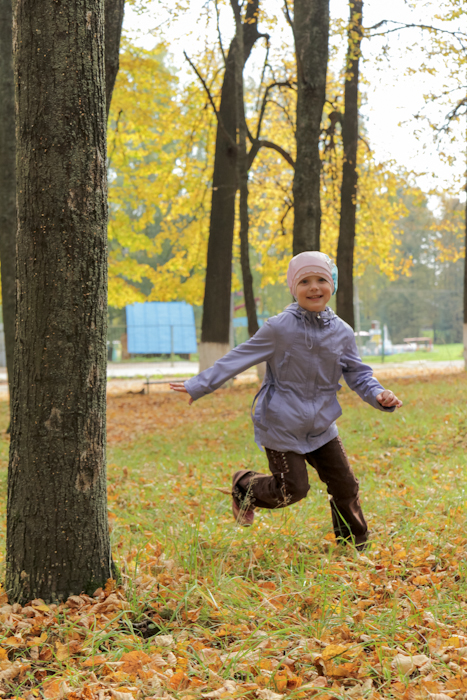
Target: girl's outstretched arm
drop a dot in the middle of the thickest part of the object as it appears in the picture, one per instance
(258, 349)
(360, 379)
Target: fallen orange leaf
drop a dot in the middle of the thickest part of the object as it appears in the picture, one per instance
(62, 652)
(193, 615)
(15, 642)
(294, 682)
(333, 650)
(267, 585)
(95, 661)
(110, 586)
(346, 670)
(280, 681)
(179, 680)
(53, 688)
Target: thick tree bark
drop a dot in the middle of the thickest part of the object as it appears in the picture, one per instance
(113, 29)
(346, 243)
(7, 182)
(216, 308)
(311, 33)
(113, 32)
(57, 530)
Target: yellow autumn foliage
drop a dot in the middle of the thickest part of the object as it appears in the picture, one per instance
(159, 148)
(380, 206)
(161, 140)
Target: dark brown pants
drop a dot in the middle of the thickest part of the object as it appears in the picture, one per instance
(289, 484)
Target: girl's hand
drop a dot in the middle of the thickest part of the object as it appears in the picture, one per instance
(387, 399)
(180, 386)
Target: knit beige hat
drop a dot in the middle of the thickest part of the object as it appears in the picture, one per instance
(311, 262)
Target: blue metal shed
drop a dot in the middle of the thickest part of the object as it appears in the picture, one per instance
(161, 327)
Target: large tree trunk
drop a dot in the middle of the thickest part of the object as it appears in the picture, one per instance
(311, 34)
(113, 32)
(113, 29)
(7, 182)
(57, 530)
(346, 244)
(216, 309)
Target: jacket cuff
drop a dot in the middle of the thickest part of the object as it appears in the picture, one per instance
(376, 404)
(193, 388)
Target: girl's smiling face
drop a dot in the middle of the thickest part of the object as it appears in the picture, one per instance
(313, 293)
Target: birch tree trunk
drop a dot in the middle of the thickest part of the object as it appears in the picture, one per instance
(346, 242)
(7, 183)
(57, 529)
(311, 33)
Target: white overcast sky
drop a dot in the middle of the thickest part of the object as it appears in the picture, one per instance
(393, 98)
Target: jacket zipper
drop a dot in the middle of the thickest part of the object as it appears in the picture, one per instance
(312, 407)
(313, 323)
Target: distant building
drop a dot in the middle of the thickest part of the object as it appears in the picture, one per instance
(161, 328)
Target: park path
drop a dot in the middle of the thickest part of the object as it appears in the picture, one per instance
(126, 377)
(135, 383)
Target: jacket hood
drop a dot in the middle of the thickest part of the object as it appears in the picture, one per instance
(325, 316)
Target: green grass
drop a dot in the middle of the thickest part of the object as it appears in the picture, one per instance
(391, 453)
(283, 588)
(454, 351)
(412, 468)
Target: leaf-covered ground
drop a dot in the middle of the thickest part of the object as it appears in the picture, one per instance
(206, 609)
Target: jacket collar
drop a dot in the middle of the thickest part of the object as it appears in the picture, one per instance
(322, 317)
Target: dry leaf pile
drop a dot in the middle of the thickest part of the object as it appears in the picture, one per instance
(101, 647)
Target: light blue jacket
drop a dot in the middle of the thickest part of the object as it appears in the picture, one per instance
(306, 354)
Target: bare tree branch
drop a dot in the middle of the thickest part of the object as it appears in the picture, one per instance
(289, 207)
(454, 113)
(219, 32)
(335, 117)
(263, 72)
(288, 16)
(292, 26)
(208, 93)
(274, 146)
(261, 143)
(363, 140)
(287, 115)
(456, 34)
(277, 83)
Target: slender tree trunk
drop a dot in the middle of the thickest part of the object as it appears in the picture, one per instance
(346, 243)
(113, 32)
(242, 178)
(57, 529)
(216, 308)
(7, 182)
(248, 291)
(465, 279)
(311, 33)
